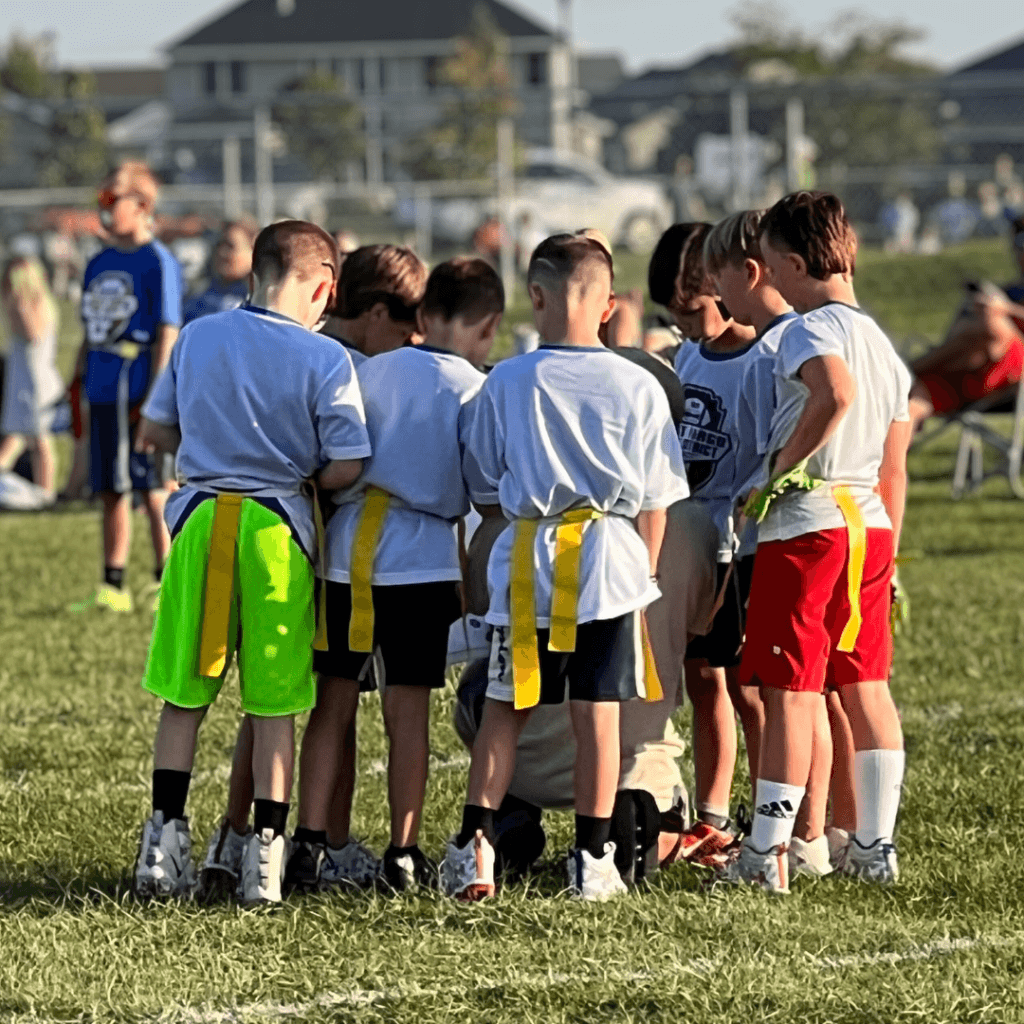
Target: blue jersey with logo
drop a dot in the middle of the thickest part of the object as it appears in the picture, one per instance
(126, 296)
(217, 298)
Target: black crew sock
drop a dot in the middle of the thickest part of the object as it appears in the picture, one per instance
(309, 835)
(113, 577)
(158, 573)
(170, 791)
(476, 819)
(270, 814)
(592, 834)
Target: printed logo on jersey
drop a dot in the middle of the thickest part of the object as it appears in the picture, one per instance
(700, 433)
(108, 305)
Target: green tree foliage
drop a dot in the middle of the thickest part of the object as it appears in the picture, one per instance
(463, 144)
(76, 150)
(321, 125)
(860, 126)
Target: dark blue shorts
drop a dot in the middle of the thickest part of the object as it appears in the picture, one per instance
(114, 465)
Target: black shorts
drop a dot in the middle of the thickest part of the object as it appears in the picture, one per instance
(722, 647)
(114, 465)
(607, 664)
(410, 634)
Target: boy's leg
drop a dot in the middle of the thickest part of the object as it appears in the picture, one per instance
(494, 757)
(273, 762)
(407, 720)
(750, 707)
(596, 777)
(117, 532)
(240, 785)
(714, 740)
(43, 466)
(154, 501)
(844, 802)
(809, 849)
(11, 448)
(339, 817)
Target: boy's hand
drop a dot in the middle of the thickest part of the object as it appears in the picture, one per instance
(899, 606)
(795, 479)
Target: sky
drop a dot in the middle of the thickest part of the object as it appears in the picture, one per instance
(655, 32)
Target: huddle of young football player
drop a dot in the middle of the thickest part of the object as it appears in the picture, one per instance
(732, 528)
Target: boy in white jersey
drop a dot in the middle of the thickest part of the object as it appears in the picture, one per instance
(732, 255)
(819, 601)
(259, 404)
(710, 367)
(573, 449)
(392, 565)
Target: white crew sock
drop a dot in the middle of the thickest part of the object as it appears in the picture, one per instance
(877, 778)
(775, 808)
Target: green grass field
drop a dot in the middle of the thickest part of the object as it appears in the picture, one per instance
(945, 945)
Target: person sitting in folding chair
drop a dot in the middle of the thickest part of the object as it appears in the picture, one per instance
(983, 352)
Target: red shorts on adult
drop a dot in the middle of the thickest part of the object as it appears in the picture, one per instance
(949, 392)
(800, 604)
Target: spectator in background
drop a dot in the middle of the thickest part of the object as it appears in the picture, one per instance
(32, 384)
(231, 264)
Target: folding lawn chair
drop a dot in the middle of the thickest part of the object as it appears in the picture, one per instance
(969, 472)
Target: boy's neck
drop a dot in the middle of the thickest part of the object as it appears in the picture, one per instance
(835, 288)
(134, 240)
(770, 306)
(352, 331)
(734, 337)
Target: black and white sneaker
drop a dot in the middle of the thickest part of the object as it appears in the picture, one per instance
(409, 869)
(302, 872)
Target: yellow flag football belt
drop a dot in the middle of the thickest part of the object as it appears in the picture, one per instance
(364, 553)
(565, 586)
(858, 535)
(220, 581)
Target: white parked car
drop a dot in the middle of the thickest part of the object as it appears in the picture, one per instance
(564, 192)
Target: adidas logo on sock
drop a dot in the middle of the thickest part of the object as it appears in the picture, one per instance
(776, 809)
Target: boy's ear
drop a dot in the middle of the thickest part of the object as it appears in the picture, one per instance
(798, 263)
(609, 309)
(488, 327)
(421, 327)
(536, 296)
(754, 271)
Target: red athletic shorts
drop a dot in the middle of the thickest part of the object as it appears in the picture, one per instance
(951, 391)
(799, 605)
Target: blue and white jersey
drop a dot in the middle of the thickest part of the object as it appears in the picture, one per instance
(126, 296)
(216, 298)
(574, 427)
(414, 399)
(262, 404)
(730, 399)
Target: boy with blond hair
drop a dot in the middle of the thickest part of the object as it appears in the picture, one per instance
(131, 309)
(286, 409)
(578, 449)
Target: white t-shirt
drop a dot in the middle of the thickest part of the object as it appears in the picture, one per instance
(730, 398)
(413, 397)
(564, 428)
(261, 404)
(853, 454)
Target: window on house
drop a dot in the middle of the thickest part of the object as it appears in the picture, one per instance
(382, 65)
(537, 68)
(431, 71)
(238, 76)
(210, 78)
(361, 75)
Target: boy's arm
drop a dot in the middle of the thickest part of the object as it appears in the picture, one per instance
(157, 437)
(166, 336)
(832, 391)
(339, 474)
(650, 525)
(892, 476)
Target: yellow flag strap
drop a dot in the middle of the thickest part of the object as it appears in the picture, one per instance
(652, 681)
(858, 536)
(320, 640)
(220, 581)
(364, 553)
(565, 580)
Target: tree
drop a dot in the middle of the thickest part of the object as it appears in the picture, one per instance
(76, 150)
(321, 125)
(463, 144)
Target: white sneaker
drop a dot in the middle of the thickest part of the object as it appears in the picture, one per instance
(467, 872)
(164, 867)
(594, 878)
(838, 838)
(875, 863)
(768, 871)
(354, 864)
(809, 858)
(263, 863)
(222, 867)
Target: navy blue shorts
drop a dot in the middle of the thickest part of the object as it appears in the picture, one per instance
(114, 465)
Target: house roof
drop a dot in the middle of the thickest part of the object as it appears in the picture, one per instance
(1010, 59)
(328, 21)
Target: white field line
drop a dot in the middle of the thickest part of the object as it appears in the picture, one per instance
(700, 966)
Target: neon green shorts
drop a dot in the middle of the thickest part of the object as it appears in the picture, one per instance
(272, 617)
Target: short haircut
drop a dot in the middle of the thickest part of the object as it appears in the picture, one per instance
(677, 263)
(560, 257)
(463, 287)
(391, 274)
(813, 225)
(733, 240)
(139, 178)
(293, 247)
